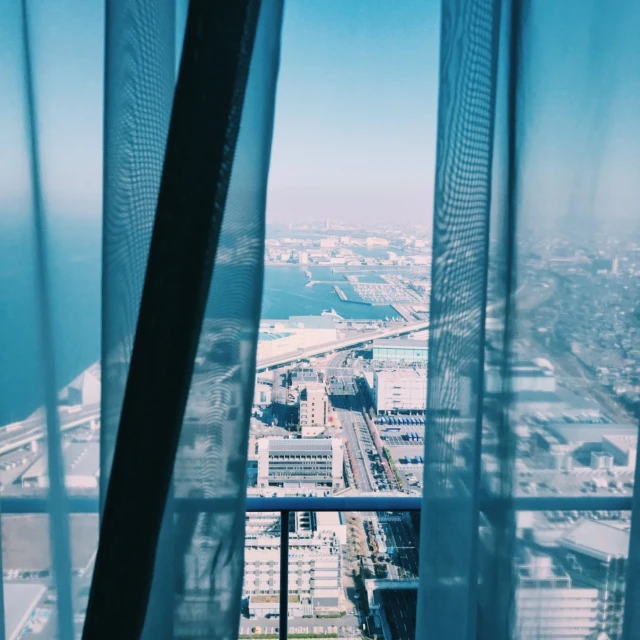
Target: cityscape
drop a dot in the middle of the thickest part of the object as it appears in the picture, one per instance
(339, 409)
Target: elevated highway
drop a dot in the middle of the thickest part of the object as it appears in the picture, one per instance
(19, 434)
(338, 345)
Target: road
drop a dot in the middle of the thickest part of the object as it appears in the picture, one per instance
(400, 543)
(343, 397)
(400, 610)
(345, 343)
(18, 434)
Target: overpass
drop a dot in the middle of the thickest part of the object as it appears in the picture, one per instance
(338, 345)
(19, 434)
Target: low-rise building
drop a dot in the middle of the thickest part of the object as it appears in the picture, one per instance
(623, 448)
(317, 461)
(81, 462)
(400, 350)
(315, 573)
(401, 390)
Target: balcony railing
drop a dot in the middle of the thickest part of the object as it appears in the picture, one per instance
(287, 505)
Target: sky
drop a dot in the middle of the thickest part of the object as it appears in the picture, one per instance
(356, 109)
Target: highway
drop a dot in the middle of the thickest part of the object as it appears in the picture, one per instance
(344, 399)
(18, 434)
(400, 611)
(345, 343)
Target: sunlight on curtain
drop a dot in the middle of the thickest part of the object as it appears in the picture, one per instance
(534, 322)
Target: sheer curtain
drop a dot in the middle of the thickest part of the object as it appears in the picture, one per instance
(197, 571)
(537, 146)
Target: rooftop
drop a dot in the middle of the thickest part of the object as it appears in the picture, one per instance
(285, 445)
(263, 335)
(598, 540)
(400, 343)
(622, 442)
(19, 601)
(400, 374)
(311, 322)
(590, 432)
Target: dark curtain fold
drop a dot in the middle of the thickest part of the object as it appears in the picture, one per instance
(139, 85)
(193, 195)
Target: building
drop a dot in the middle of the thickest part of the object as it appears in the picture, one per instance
(401, 390)
(280, 337)
(623, 448)
(400, 350)
(523, 377)
(377, 242)
(595, 554)
(303, 257)
(331, 522)
(548, 606)
(20, 602)
(316, 461)
(85, 389)
(81, 467)
(601, 461)
(315, 574)
(313, 409)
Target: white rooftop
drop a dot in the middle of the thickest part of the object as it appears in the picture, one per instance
(598, 540)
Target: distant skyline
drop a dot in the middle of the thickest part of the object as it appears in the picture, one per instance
(356, 110)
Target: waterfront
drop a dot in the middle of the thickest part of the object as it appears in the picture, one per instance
(76, 284)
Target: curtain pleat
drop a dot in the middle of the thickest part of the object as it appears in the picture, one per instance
(212, 458)
(139, 84)
(193, 192)
(531, 172)
(448, 599)
(58, 509)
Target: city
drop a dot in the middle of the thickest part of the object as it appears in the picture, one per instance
(339, 410)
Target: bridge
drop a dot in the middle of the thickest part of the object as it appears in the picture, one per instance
(19, 434)
(338, 345)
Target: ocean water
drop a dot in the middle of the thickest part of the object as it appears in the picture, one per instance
(75, 274)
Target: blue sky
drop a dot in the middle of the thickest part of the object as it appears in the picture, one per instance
(356, 108)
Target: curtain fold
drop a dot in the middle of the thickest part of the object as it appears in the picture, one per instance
(58, 508)
(139, 83)
(536, 140)
(448, 598)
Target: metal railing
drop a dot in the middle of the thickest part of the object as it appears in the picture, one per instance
(287, 505)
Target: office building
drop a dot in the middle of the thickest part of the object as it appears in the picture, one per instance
(312, 461)
(400, 350)
(402, 390)
(313, 409)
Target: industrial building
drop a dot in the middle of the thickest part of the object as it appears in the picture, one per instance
(532, 377)
(623, 448)
(400, 350)
(313, 409)
(401, 390)
(313, 461)
(279, 337)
